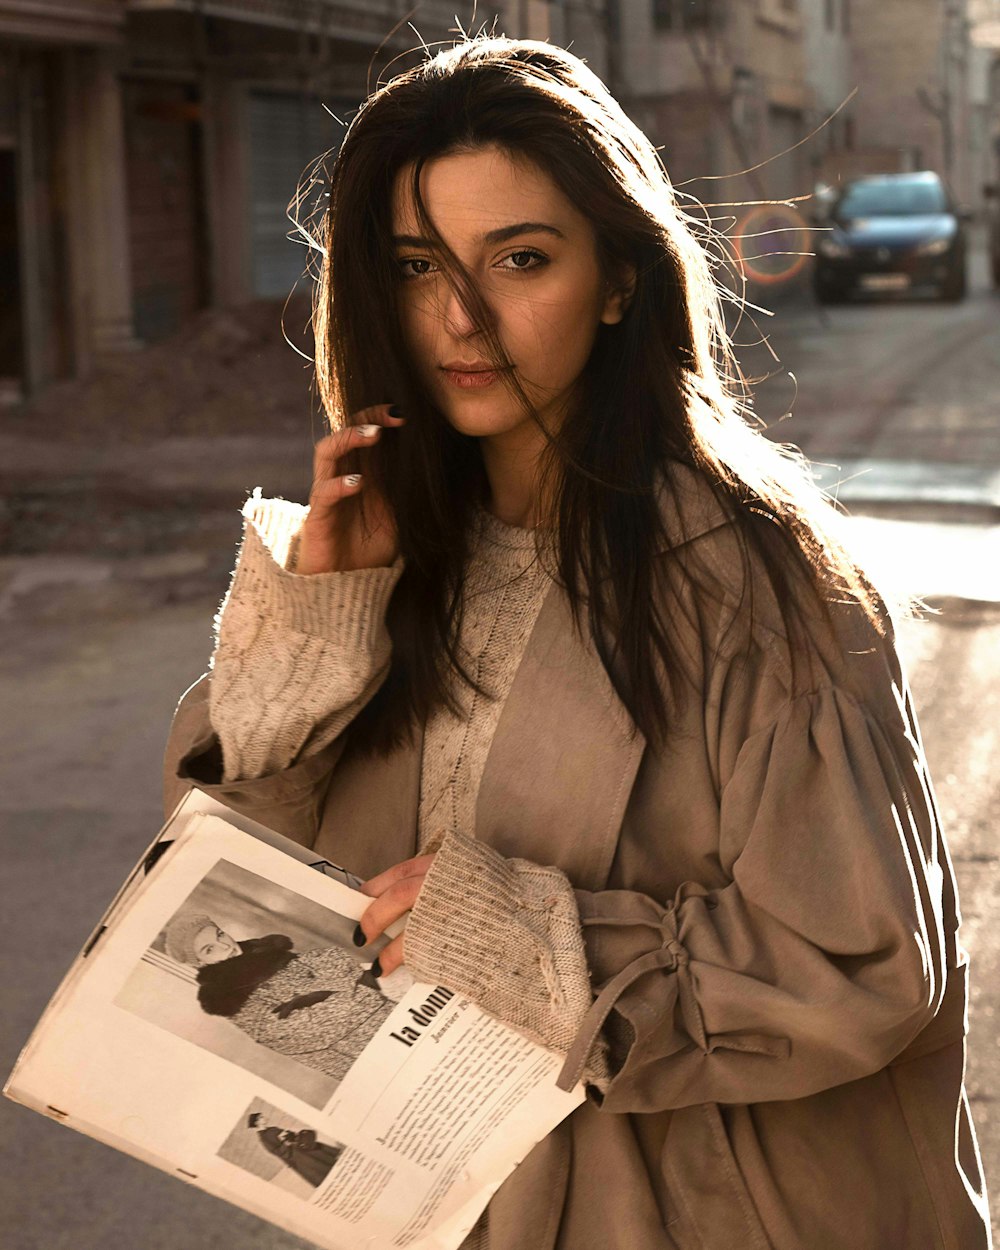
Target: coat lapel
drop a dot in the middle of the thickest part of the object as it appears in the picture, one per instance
(564, 756)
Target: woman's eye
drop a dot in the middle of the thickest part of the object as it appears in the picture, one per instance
(531, 256)
(413, 260)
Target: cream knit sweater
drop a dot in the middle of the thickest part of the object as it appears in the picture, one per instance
(296, 658)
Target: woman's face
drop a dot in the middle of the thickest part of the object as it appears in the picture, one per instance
(535, 259)
(211, 945)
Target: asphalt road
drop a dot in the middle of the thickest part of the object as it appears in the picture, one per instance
(898, 400)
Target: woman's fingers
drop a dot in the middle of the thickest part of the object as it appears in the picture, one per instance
(334, 538)
(380, 414)
(330, 491)
(390, 906)
(394, 893)
(418, 865)
(330, 449)
(391, 955)
(363, 432)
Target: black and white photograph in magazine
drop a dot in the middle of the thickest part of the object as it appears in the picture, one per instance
(276, 1147)
(263, 977)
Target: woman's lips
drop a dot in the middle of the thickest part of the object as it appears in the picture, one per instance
(469, 381)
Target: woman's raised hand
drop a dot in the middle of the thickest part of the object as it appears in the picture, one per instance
(333, 537)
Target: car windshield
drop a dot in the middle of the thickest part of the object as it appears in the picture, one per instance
(892, 199)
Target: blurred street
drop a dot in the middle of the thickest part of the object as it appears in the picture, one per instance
(120, 552)
(166, 169)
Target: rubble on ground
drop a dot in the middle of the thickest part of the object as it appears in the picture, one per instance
(228, 371)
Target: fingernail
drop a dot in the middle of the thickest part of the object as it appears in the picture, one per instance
(359, 936)
(352, 479)
(376, 968)
(366, 431)
(395, 411)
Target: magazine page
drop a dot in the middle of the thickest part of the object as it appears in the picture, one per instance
(226, 1028)
(195, 802)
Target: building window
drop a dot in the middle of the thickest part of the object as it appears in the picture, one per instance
(845, 16)
(831, 14)
(681, 15)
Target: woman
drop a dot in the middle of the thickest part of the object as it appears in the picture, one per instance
(686, 835)
(300, 1149)
(318, 1007)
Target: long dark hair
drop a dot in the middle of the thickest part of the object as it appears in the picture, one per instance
(661, 385)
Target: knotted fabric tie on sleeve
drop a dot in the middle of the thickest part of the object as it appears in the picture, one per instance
(670, 956)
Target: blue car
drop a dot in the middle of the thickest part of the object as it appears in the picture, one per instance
(891, 233)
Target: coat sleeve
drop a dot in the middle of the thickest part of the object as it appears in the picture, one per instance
(289, 801)
(817, 964)
(823, 957)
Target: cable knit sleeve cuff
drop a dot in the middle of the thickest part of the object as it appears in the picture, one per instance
(348, 608)
(506, 934)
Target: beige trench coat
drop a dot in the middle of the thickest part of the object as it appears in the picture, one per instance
(767, 902)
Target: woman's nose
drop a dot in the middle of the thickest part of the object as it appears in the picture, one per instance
(457, 318)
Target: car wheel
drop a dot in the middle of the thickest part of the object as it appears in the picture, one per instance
(826, 294)
(955, 285)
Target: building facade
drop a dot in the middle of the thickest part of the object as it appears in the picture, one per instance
(827, 33)
(984, 16)
(722, 88)
(150, 151)
(914, 63)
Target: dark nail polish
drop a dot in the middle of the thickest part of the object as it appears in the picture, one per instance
(395, 411)
(359, 936)
(376, 969)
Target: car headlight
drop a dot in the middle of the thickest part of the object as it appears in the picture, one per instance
(833, 248)
(934, 247)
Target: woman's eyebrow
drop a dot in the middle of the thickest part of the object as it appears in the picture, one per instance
(500, 235)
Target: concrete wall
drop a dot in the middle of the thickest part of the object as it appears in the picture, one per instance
(829, 68)
(63, 21)
(724, 100)
(897, 54)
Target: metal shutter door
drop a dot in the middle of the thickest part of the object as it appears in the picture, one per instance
(287, 133)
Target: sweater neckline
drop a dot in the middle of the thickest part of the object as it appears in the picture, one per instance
(500, 534)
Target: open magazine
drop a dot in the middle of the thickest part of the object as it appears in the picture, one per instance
(221, 1024)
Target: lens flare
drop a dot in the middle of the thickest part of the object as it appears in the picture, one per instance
(773, 243)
